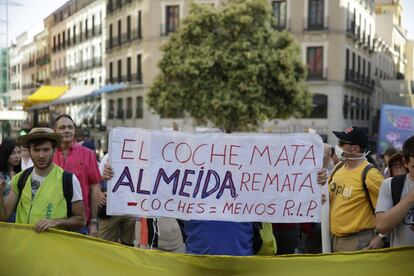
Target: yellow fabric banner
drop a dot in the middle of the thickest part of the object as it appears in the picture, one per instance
(24, 252)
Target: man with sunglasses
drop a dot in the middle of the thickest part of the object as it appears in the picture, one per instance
(354, 186)
(398, 219)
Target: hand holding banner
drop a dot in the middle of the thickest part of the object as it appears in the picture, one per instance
(215, 176)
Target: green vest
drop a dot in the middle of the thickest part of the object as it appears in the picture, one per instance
(48, 202)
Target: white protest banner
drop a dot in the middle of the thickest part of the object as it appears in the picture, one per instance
(215, 176)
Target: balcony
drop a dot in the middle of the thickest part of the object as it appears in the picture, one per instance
(309, 26)
(318, 76)
(132, 79)
(113, 7)
(350, 29)
(167, 29)
(43, 60)
(124, 39)
(359, 79)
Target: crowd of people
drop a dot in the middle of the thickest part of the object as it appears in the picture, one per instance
(49, 180)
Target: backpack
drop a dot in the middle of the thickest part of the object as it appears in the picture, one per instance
(66, 185)
(264, 242)
(363, 178)
(397, 185)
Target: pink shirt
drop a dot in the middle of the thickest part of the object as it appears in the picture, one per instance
(82, 163)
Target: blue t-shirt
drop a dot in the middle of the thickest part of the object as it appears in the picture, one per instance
(219, 237)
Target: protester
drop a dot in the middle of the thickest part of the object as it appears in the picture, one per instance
(395, 207)
(39, 192)
(396, 164)
(354, 186)
(26, 160)
(81, 162)
(114, 228)
(162, 233)
(10, 159)
(387, 154)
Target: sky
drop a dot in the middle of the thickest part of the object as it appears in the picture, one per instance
(32, 12)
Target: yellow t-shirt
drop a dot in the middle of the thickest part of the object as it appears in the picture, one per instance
(350, 210)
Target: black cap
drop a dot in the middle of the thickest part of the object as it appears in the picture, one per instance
(353, 135)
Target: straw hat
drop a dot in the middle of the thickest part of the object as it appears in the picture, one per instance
(39, 133)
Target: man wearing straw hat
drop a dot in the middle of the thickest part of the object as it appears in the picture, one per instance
(41, 193)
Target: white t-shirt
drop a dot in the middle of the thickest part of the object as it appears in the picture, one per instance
(38, 180)
(401, 235)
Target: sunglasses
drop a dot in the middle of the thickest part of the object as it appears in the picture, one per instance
(343, 143)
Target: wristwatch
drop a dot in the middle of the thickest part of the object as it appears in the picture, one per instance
(382, 236)
(94, 220)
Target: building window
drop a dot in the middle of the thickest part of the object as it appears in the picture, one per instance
(369, 70)
(363, 69)
(316, 14)
(363, 108)
(345, 107)
(119, 109)
(111, 72)
(74, 34)
(119, 70)
(111, 109)
(314, 60)
(93, 25)
(320, 106)
(129, 76)
(129, 108)
(119, 31)
(139, 25)
(279, 13)
(357, 105)
(68, 37)
(359, 68)
(80, 31)
(172, 18)
(128, 27)
(86, 28)
(110, 35)
(368, 110)
(64, 39)
(353, 62)
(139, 107)
(352, 107)
(139, 68)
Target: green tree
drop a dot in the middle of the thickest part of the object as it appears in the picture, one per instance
(228, 66)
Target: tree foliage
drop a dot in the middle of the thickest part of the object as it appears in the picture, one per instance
(228, 66)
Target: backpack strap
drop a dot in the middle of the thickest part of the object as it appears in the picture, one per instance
(21, 182)
(397, 185)
(67, 186)
(364, 185)
(335, 169)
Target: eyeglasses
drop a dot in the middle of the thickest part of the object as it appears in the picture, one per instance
(342, 143)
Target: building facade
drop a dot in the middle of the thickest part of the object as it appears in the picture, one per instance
(77, 40)
(114, 45)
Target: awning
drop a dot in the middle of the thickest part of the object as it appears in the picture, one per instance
(89, 113)
(109, 88)
(46, 93)
(39, 106)
(75, 93)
